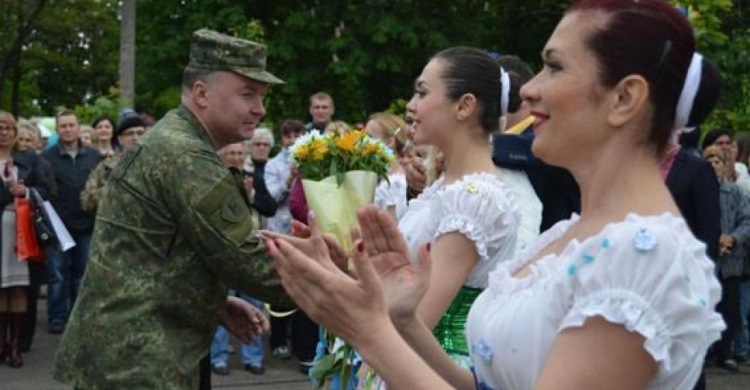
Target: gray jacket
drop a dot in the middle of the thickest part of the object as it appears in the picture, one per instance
(735, 221)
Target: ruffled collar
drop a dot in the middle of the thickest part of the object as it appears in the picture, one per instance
(501, 279)
(439, 185)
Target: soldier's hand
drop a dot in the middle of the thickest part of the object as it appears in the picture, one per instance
(244, 321)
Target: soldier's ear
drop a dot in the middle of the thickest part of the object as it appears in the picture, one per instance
(199, 94)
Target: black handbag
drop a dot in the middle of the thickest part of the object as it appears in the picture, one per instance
(42, 227)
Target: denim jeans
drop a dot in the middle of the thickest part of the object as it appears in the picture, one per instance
(65, 271)
(252, 354)
(742, 340)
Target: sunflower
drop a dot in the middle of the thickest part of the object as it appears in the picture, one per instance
(302, 153)
(319, 148)
(348, 142)
(370, 148)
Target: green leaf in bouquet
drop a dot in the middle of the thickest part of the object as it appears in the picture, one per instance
(323, 369)
(346, 374)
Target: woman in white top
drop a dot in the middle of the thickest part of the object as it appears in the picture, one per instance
(468, 214)
(621, 297)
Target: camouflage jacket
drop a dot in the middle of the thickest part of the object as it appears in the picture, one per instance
(96, 181)
(173, 232)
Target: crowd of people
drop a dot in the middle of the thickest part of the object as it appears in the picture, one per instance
(71, 175)
(568, 229)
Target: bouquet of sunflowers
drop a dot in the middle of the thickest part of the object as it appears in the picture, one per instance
(339, 174)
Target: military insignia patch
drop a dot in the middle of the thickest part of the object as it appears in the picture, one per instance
(233, 208)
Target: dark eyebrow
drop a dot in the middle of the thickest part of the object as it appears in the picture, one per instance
(548, 52)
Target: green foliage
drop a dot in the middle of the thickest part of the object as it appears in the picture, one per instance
(67, 51)
(731, 57)
(705, 17)
(397, 107)
(365, 53)
(109, 105)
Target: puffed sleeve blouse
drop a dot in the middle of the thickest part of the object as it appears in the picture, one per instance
(646, 273)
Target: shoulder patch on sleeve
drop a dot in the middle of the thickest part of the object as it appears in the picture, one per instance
(226, 209)
(233, 208)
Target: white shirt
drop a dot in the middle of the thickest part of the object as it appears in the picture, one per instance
(392, 193)
(743, 178)
(647, 273)
(479, 206)
(528, 204)
(277, 171)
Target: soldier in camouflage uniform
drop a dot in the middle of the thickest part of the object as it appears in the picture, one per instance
(173, 232)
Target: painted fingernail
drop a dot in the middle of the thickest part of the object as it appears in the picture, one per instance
(360, 246)
(429, 247)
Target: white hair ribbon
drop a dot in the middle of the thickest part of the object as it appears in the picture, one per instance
(689, 90)
(504, 91)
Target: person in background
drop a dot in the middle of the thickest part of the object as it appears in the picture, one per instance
(279, 175)
(735, 233)
(20, 170)
(71, 163)
(258, 150)
(337, 127)
(104, 129)
(125, 136)
(512, 153)
(29, 138)
(321, 110)
(88, 136)
(723, 139)
(742, 346)
(28, 135)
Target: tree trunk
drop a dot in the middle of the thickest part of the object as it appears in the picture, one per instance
(15, 106)
(127, 51)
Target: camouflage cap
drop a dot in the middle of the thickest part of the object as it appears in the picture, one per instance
(211, 50)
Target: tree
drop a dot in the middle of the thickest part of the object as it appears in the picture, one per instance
(127, 49)
(19, 20)
(59, 52)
